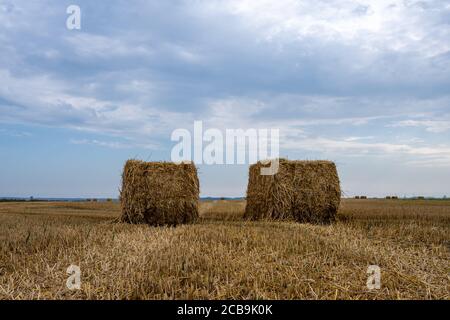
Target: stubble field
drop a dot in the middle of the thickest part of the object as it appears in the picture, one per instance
(224, 257)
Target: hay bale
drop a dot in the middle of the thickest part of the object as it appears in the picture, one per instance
(363, 197)
(269, 197)
(305, 191)
(159, 193)
(357, 197)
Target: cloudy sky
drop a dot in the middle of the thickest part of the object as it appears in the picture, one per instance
(363, 83)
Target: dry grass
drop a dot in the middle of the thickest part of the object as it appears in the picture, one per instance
(223, 256)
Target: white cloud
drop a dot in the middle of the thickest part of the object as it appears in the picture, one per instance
(46, 101)
(15, 133)
(86, 44)
(437, 162)
(345, 147)
(374, 25)
(435, 126)
(112, 144)
(350, 139)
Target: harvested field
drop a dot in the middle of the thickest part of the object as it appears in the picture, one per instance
(223, 256)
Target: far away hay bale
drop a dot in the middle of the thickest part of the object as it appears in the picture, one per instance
(159, 193)
(305, 191)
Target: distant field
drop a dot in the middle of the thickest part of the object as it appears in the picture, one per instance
(223, 256)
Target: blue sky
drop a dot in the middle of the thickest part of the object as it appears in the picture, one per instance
(363, 83)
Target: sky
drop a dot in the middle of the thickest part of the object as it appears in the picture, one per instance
(365, 84)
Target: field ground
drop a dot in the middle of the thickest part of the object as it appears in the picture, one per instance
(223, 256)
